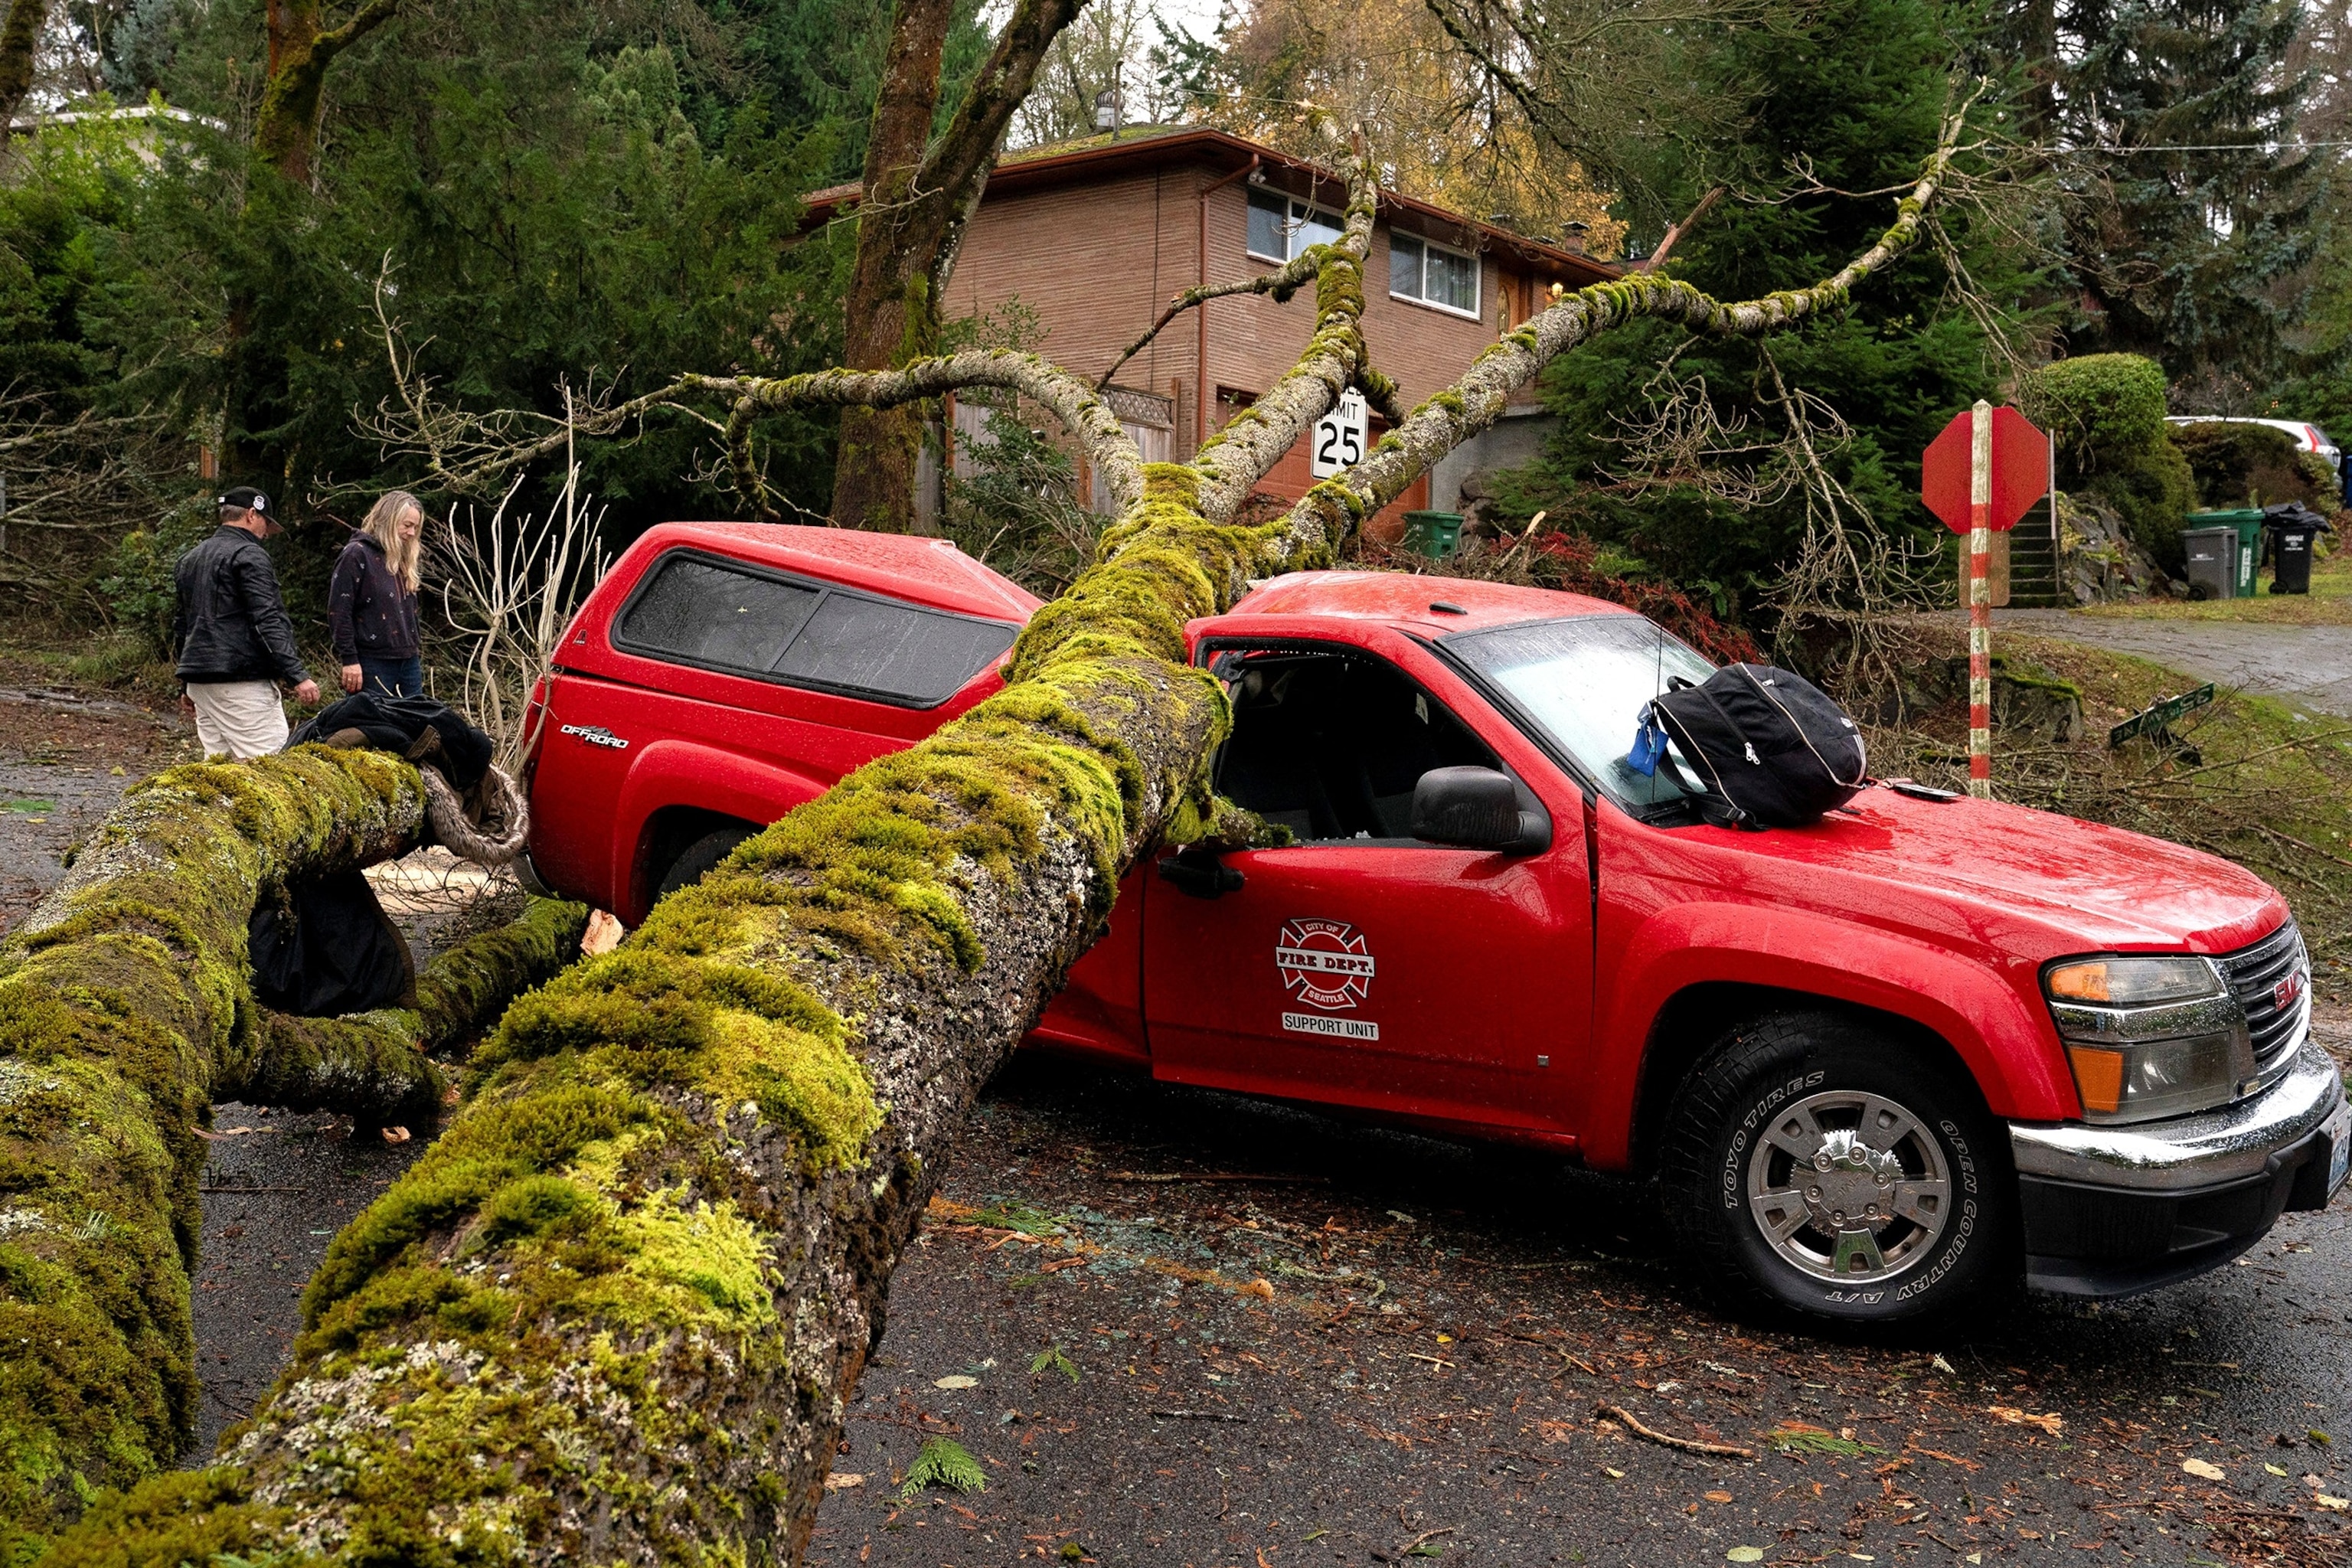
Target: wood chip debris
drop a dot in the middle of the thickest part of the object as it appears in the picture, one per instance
(2052, 1423)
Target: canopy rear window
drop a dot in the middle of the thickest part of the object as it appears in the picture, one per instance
(716, 614)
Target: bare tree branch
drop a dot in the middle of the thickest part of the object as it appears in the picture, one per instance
(1477, 400)
(1282, 283)
(1675, 231)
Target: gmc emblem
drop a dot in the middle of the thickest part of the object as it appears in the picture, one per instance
(2286, 992)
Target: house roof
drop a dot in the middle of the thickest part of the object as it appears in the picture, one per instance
(1156, 146)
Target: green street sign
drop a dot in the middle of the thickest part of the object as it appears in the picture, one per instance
(2156, 717)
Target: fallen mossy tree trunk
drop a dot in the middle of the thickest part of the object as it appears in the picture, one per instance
(613, 1313)
(125, 1010)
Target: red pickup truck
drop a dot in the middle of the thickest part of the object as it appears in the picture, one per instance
(1877, 1064)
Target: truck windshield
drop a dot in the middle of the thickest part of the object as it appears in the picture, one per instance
(1583, 683)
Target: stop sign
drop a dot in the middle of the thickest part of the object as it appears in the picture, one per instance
(2020, 469)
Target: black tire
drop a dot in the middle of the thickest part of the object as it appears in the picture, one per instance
(695, 861)
(1724, 1162)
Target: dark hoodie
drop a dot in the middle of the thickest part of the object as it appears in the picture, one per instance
(368, 611)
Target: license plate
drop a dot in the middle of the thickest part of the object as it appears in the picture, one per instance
(2338, 1128)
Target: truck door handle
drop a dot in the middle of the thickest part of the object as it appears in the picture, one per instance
(1199, 873)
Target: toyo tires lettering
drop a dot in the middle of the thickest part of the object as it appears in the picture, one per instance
(1746, 1128)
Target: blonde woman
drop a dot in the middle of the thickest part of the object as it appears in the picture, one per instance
(371, 604)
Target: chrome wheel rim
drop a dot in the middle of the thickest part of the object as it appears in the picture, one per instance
(1849, 1186)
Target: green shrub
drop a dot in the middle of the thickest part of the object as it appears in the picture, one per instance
(2104, 413)
(2153, 492)
(2099, 408)
(2252, 465)
(139, 587)
(1020, 511)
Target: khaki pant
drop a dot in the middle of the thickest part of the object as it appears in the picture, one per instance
(241, 717)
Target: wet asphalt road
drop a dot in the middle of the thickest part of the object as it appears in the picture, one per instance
(1441, 1337)
(276, 1188)
(2309, 665)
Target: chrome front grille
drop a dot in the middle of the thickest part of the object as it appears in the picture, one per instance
(2275, 967)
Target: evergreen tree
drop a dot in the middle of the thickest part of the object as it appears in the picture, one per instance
(818, 63)
(548, 208)
(2193, 252)
(1855, 92)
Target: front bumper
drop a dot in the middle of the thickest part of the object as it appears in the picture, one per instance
(2113, 1211)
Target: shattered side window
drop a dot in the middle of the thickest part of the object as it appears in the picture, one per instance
(707, 614)
(879, 646)
(698, 611)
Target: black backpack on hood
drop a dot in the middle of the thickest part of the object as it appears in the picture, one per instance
(1771, 748)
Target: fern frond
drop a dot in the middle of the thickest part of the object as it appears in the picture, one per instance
(943, 1463)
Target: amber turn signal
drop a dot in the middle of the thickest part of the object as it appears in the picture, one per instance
(2079, 982)
(2138, 981)
(2098, 1078)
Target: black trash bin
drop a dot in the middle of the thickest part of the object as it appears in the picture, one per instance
(2292, 527)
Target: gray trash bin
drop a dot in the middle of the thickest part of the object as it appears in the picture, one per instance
(2212, 562)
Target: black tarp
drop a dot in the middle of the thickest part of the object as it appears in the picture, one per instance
(322, 945)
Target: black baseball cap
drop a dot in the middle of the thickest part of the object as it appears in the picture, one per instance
(247, 498)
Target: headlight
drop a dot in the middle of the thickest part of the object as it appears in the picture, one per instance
(2149, 1037)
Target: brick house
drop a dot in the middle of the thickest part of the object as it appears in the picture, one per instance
(1096, 237)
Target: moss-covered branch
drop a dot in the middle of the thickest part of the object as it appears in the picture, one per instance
(1070, 400)
(614, 1312)
(286, 128)
(121, 997)
(126, 1009)
(1452, 416)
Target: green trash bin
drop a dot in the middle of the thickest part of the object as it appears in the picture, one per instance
(2248, 521)
(1436, 534)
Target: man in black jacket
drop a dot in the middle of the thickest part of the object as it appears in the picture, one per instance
(236, 641)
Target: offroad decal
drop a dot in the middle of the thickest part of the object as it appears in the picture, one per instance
(1325, 964)
(596, 735)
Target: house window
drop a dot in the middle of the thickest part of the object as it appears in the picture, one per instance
(1431, 275)
(1281, 227)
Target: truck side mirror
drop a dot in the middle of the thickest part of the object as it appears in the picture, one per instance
(1478, 808)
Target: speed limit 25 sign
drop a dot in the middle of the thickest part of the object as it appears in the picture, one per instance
(1340, 436)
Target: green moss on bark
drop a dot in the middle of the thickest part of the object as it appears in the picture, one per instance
(120, 999)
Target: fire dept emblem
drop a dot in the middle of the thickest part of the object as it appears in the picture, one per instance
(1324, 964)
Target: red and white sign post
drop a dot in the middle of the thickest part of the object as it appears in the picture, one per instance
(1981, 476)
(1980, 599)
